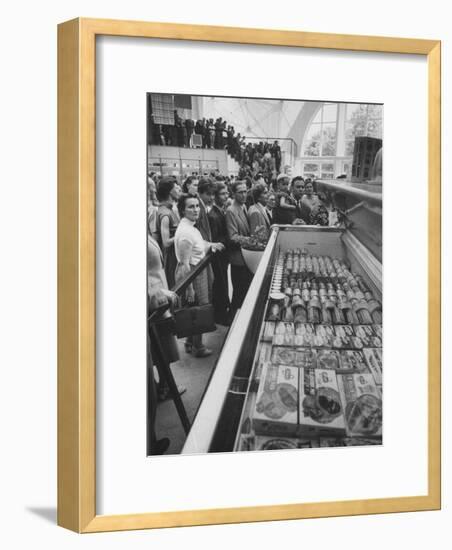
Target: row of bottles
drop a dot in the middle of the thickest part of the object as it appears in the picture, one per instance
(318, 301)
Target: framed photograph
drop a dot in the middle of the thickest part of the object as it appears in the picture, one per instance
(240, 271)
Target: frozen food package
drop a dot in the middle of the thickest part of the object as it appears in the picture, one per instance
(342, 336)
(284, 328)
(286, 339)
(365, 332)
(376, 342)
(324, 336)
(283, 355)
(269, 331)
(265, 352)
(306, 358)
(361, 441)
(374, 361)
(276, 409)
(328, 359)
(274, 443)
(274, 312)
(332, 442)
(361, 401)
(304, 335)
(320, 410)
(356, 342)
(378, 330)
(352, 361)
(349, 441)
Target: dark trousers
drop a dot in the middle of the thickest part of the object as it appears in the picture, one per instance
(241, 280)
(220, 293)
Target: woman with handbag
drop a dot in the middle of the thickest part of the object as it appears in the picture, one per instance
(190, 249)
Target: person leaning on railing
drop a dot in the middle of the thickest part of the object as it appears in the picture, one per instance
(190, 249)
(158, 295)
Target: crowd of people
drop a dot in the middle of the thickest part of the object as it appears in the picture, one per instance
(220, 215)
(263, 157)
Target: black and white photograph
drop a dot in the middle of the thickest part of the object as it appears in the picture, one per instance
(264, 274)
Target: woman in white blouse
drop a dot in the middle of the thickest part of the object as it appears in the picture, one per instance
(190, 249)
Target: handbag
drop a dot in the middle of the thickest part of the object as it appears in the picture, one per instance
(194, 320)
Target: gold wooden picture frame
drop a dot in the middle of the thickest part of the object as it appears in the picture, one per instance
(77, 274)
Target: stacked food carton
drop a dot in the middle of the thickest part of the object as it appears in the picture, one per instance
(319, 367)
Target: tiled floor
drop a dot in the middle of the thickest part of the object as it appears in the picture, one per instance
(193, 374)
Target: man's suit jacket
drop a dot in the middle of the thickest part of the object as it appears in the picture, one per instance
(285, 216)
(258, 217)
(217, 222)
(237, 225)
(203, 223)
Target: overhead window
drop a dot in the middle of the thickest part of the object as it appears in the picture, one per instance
(320, 138)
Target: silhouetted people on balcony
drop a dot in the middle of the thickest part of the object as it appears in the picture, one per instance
(253, 158)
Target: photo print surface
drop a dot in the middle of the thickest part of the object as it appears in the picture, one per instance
(264, 274)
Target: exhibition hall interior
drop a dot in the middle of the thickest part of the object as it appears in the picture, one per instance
(264, 274)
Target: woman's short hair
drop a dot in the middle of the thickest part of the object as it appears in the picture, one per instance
(164, 188)
(187, 183)
(257, 191)
(181, 203)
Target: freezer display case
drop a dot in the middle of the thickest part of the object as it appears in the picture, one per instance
(301, 366)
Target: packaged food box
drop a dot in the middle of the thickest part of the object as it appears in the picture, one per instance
(320, 411)
(352, 361)
(332, 442)
(264, 356)
(365, 332)
(274, 443)
(376, 342)
(378, 330)
(304, 335)
(361, 441)
(269, 331)
(348, 441)
(273, 312)
(356, 342)
(324, 336)
(283, 355)
(361, 401)
(306, 358)
(342, 336)
(374, 361)
(286, 339)
(328, 359)
(284, 328)
(265, 352)
(304, 328)
(276, 409)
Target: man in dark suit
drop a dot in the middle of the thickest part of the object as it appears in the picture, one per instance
(300, 215)
(220, 261)
(238, 228)
(206, 190)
